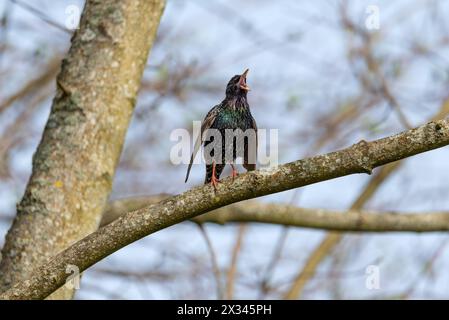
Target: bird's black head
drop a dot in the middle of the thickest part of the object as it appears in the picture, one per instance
(237, 85)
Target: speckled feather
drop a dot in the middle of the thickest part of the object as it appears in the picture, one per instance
(232, 113)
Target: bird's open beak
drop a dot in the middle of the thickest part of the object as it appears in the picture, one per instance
(242, 81)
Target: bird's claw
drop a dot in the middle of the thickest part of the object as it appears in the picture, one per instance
(234, 174)
(214, 182)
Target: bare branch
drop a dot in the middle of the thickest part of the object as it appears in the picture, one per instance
(332, 239)
(362, 157)
(230, 279)
(214, 262)
(40, 81)
(352, 220)
(254, 211)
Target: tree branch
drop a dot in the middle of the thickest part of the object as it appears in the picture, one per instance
(359, 158)
(307, 269)
(254, 211)
(352, 220)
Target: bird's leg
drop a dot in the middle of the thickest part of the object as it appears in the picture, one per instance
(214, 180)
(234, 173)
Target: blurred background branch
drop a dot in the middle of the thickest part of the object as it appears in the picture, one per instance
(319, 74)
(362, 157)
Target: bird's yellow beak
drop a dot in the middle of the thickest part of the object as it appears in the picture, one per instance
(242, 81)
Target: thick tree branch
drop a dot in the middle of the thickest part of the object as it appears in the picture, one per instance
(307, 269)
(359, 158)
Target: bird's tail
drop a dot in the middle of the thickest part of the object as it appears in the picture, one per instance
(189, 168)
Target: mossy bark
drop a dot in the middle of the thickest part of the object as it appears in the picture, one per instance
(75, 162)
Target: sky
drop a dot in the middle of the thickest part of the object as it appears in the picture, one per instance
(297, 55)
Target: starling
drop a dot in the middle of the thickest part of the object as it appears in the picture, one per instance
(232, 113)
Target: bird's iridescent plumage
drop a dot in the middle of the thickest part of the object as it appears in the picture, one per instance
(232, 113)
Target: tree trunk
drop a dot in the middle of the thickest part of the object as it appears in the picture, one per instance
(75, 162)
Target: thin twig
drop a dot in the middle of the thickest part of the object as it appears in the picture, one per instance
(214, 262)
(41, 15)
(234, 261)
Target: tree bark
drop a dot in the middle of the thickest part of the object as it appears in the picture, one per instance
(75, 162)
(332, 239)
(362, 157)
(254, 211)
(349, 221)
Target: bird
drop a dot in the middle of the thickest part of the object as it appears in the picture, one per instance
(232, 113)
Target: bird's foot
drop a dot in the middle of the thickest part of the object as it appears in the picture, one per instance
(214, 181)
(234, 173)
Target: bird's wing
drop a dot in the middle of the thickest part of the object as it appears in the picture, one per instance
(255, 129)
(207, 123)
(246, 165)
